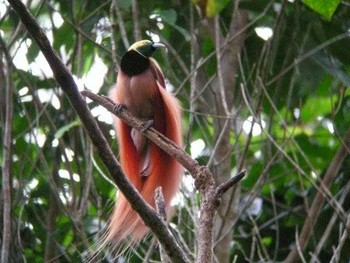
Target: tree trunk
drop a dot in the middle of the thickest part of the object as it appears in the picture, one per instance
(224, 91)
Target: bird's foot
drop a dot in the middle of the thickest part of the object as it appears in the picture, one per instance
(146, 125)
(118, 108)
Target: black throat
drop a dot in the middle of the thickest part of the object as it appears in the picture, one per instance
(133, 63)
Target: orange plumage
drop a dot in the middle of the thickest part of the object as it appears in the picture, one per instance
(141, 88)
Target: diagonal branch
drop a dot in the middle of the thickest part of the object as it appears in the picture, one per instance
(65, 79)
(162, 142)
(204, 180)
(314, 211)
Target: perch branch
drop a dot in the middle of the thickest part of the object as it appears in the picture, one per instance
(162, 142)
(204, 180)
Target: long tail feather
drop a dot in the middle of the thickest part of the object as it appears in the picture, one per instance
(165, 172)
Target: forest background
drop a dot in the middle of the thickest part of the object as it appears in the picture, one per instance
(264, 86)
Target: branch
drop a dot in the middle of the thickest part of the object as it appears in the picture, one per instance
(204, 180)
(313, 213)
(51, 225)
(135, 17)
(224, 187)
(160, 208)
(123, 34)
(6, 159)
(65, 79)
(159, 139)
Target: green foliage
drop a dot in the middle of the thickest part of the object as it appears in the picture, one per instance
(66, 128)
(211, 7)
(324, 8)
(295, 85)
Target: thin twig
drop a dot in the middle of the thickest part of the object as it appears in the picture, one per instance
(160, 208)
(224, 187)
(337, 251)
(50, 245)
(160, 203)
(308, 54)
(312, 216)
(123, 34)
(219, 64)
(135, 17)
(331, 224)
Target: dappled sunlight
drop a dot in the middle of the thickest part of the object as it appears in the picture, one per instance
(255, 128)
(264, 33)
(263, 87)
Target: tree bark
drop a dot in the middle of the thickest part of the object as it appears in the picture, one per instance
(6, 161)
(228, 49)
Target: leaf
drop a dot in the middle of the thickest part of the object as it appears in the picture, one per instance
(211, 7)
(170, 17)
(334, 67)
(61, 131)
(325, 8)
(316, 107)
(33, 52)
(215, 6)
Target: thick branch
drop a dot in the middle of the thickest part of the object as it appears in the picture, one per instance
(162, 142)
(6, 160)
(204, 180)
(66, 81)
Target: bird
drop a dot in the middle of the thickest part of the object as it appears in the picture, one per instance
(141, 88)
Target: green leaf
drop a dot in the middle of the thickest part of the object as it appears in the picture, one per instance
(170, 17)
(66, 128)
(211, 7)
(215, 6)
(325, 8)
(316, 107)
(334, 67)
(33, 52)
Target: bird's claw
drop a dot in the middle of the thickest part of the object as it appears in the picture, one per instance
(146, 125)
(118, 108)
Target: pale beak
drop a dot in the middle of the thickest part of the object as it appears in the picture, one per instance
(158, 45)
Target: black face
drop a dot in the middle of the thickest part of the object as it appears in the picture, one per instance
(136, 59)
(133, 63)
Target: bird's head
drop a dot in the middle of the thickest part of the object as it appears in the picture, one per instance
(145, 48)
(136, 59)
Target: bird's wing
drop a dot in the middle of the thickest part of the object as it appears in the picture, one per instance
(142, 145)
(157, 72)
